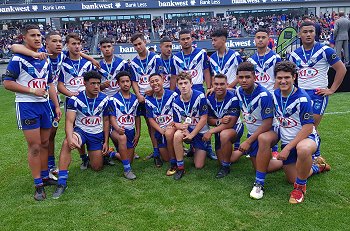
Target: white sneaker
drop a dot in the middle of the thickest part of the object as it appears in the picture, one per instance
(129, 175)
(257, 191)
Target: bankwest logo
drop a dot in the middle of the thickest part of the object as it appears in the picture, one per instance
(96, 6)
(173, 3)
(11, 9)
(245, 1)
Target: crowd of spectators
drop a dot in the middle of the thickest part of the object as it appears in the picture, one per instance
(120, 31)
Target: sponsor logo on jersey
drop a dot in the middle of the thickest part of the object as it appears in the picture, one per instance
(37, 83)
(113, 83)
(248, 118)
(262, 79)
(193, 73)
(163, 120)
(144, 80)
(126, 120)
(287, 122)
(78, 81)
(307, 73)
(91, 121)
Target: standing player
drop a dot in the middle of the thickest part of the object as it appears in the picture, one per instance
(166, 47)
(190, 117)
(31, 79)
(159, 111)
(123, 118)
(71, 80)
(195, 62)
(87, 122)
(223, 112)
(257, 110)
(111, 65)
(264, 61)
(313, 61)
(142, 66)
(224, 60)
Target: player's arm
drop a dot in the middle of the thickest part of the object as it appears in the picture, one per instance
(21, 49)
(340, 71)
(156, 126)
(91, 59)
(173, 82)
(201, 123)
(135, 87)
(53, 97)
(233, 84)
(70, 118)
(207, 78)
(264, 127)
(61, 88)
(106, 128)
(213, 122)
(138, 130)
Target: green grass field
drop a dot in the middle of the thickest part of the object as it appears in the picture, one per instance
(107, 201)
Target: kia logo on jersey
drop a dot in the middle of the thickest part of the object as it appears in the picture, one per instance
(78, 81)
(144, 80)
(287, 122)
(37, 83)
(248, 118)
(126, 120)
(193, 73)
(91, 121)
(262, 78)
(307, 73)
(164, 119)
(113, 83)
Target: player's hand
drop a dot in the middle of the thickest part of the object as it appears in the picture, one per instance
(170, 126)
(58, 113)
(141, 98)
(324, 92)
(105, 148)
(149, 92)
(184, 126)
(207, 136)
(73, 94)
(244, 147)
(283, 155)
(120, 130)
(73, 143)
(187, 136)
(209, 91)
(226, 119)
(96, 64)
(41, 55)
(106, 84)
(135, 141)
(41, 92)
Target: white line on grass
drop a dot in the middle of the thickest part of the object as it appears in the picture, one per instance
(337, 112)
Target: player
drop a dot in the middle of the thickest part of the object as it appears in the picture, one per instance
(111, 65)
(142, 66)
(167, 63)
(159, 110)
(224, 60)
(313, 61)
(264, 61)
(31, 80)
(71, 81)
(223, 113)
(257, 111)
(194, 61)
(124, 120)
(190, 117)
(87, 122)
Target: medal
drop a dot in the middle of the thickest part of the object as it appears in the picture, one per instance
(54, 124)
(284, 123)
(188, 120)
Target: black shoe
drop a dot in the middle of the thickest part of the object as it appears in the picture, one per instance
(84, 165)
(158, 162)
(224, 171)
(108, 161)
(39, 194)
(59, 191)
(49, 181)
(189, 153)
(179, 174)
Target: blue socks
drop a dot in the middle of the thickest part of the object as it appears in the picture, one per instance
(156, 152)
(51, 162)
(126, 165)
(112, 155)
(62, 177)
(180, 164)
(260, 177)
(315, 169)
(225, 164)
(44, 174)
(300, 182)
(38, 182)
(172, 162)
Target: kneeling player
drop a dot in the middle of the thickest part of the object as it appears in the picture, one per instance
(298, 135)
(123, 107)
(190, 117)
(223, 112)
(159, 111)
(86, 111)
(257, 109)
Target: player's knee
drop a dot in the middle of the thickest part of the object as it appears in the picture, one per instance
(178, 136)
(96, 166)
(199, 165)
(304, 150)
(34, 149)
(226, 136)
(169, 134)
